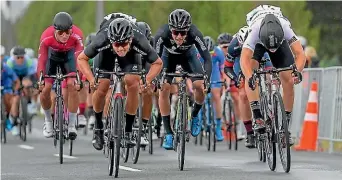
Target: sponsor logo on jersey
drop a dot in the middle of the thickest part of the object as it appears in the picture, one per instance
(159, 42)
(139, 51)
(103, 48)
(201, 43)
(292, 40)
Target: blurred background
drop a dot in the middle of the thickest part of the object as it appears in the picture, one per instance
(319, 23)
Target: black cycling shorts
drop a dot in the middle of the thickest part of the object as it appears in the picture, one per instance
(105, 60)
(280, 59)
(189, 62)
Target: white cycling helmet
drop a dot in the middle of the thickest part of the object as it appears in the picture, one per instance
(2, 50)
(242, 34)
(302, 41)
(29, 52)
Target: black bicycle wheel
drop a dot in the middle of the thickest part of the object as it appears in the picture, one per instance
(259, 147)
(282, 132)
(117, 129)
(213, 125)
(124, 147)
(137, 131)
(207, 128)
(3, 121)
(60, 118)
(182, 133)
(150, 133)
(71, 142)
(23, 116)
(233, 129)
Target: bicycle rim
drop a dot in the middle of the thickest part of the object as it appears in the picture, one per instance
(138, 132)
(182, 132)
(124, 147)
(213, 125)
(282, 132)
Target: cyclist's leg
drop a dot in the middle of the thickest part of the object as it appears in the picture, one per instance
(90, 110)
(8, 96)
(216, 100)
(253, 96)
(130, 63)
(147, 105)
(82, 106)
(283, 58)
(193, 65)
(244, 108)
(45, 99)
(34, 97)
(71, 98)
(53, 100)
(98, 98)
(169, 62)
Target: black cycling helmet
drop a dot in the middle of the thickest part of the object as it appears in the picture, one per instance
(209, 42)
(18, 51)
(271, 32)
(145, 28)
(224, 38)
(62, 21)
(90, 38)
(180, 19)
(120, 30)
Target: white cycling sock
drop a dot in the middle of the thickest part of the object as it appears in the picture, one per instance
(48, 117)
(72, 118)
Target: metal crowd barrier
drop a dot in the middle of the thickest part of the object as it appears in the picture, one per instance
(330, 107)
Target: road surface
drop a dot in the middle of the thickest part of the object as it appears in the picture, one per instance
(36, 160)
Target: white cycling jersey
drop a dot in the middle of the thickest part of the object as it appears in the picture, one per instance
(260, 12)
(253, 36)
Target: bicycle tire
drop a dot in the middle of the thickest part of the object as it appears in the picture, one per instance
(150, 133)
(282, 132)
(136, 148)
(207, 128)
(60, 118)
(259, 148)
(3, 121)
(182, 132)
(213, 124)
(23, 118)
(71, 142)
(124, 149)
(117, 129)
(233, 123)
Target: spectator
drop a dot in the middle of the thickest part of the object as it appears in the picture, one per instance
(311, 57)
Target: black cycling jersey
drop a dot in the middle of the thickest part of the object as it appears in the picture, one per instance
(139, 44)
(163, 39)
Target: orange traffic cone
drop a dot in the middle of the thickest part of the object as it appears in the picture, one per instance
(309, 136)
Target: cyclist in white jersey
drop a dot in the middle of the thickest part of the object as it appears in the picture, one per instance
(271, 32)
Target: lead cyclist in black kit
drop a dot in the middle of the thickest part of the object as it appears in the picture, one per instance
(175, 45)
(119, 38)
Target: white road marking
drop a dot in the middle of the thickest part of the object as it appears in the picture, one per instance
(66, 156)
(129, 169)
(26, 147)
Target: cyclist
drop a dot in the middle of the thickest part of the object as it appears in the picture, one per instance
(118, 38)
(180, 49)
(234, 51)
(60, 44)
(217, 73)
(271, 32)
(9, 81)
(24, 68)
(90, 109)
(33, 105)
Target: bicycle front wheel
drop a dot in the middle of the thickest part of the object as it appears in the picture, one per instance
(282, 132)
(116, 134)
(23, 118)
(60, 119)
(182, 133)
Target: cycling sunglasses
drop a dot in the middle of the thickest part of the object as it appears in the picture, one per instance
(121, 44)
(61, 32)
(19, 57)
(176, 32)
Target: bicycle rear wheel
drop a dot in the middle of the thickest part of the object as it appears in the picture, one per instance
(182, 133)
(23, 114)
(137, 133)
(282, 132)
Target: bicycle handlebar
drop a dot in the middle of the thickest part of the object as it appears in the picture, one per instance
(59, 77)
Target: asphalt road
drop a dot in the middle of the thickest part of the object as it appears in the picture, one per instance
(36, 160)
